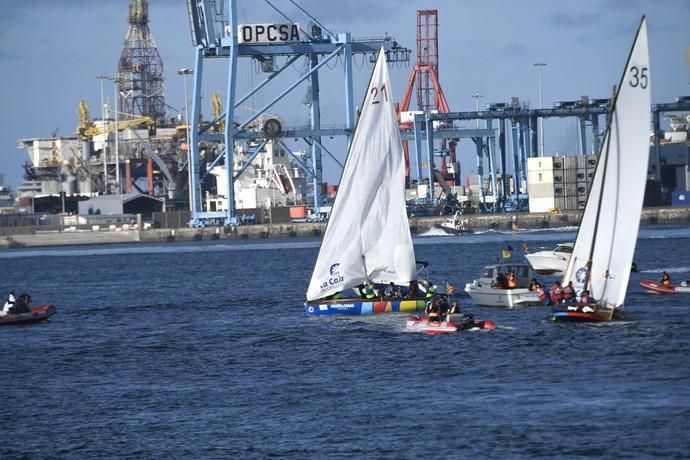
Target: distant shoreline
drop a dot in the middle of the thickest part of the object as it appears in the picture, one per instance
(418, 225)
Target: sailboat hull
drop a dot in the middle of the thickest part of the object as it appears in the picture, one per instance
(363, 306)
(569, 313)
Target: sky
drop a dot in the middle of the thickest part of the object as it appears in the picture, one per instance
(51, 52)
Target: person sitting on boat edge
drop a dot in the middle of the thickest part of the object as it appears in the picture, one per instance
(22, 304)
(569, 293)
(370, 291)
(9, 303)
(412, 290)
(391, 291)
(543, 294)
(437, 308)
(430, 290)
(584, 297)
(665, 279)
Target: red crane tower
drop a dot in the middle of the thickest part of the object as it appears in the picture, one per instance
(430, 96)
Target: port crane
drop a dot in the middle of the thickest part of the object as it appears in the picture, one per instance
(216, 34)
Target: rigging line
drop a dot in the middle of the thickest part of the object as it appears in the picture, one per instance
(288, 19)
(316, 21)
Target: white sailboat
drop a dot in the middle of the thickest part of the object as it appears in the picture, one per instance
(368, 235)
(603, 252)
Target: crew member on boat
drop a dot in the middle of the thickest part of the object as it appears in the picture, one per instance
(511, 280)
(665, 279)
(430, 290)
(9, 303)
(501, 281)
(434, 310)
(569, 293)
(584, 297)
(543, 294)
(413, 290)
(556, 293)
(370, 291)
(391, 291)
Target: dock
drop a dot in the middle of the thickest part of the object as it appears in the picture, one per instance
(418, 225)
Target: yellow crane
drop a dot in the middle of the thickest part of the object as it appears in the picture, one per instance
(217, 111)
(87, 128)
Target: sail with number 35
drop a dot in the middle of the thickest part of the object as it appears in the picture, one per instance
(605, 244)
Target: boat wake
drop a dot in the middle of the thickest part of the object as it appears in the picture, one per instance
(669, 270)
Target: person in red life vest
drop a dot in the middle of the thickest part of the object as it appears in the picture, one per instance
(556, 293)
(544, 297)
(569, 293)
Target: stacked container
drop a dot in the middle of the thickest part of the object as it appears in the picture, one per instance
(540, 184)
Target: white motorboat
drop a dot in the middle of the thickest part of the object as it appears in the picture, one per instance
(550, 261)
(488, 290)
(456, 225)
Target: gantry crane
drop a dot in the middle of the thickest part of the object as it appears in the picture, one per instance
(216, 36)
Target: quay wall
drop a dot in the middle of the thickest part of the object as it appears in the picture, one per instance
(418, 225)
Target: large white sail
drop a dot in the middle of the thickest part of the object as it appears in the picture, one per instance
(610, 223)
(368, 234)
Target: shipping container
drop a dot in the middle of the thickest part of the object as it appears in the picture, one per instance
(298, 212)
(541, 190)
(570, 162)
(541, 163)
(559, 202)
(540, 177)
(570, 176)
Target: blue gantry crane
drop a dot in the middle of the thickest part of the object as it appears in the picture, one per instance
(216, 34)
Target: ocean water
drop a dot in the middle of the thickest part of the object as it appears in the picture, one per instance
(202, 350)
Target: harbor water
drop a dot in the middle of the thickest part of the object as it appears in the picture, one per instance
(202, 350)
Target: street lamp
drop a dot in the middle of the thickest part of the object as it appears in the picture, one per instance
(476, 97)
(184, 72)
(539, 66)
(105, 137)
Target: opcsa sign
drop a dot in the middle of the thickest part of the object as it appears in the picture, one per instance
(268, 33)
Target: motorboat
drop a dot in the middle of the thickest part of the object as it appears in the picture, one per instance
(456, 225)
(550, 261)
(655, 287)
(488, 291)
(34, 315)
(456, 322)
